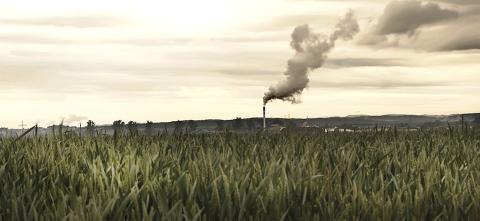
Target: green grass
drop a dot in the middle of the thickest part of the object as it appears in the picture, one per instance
(227, 176)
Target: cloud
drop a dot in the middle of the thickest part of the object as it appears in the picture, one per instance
(150, 41)
(462, 40)
(242, 72)
(49, 75)
(459, 35)
(401, 17)
(83, 21)
(288, 21)
(376, 85)
(456, 36)
(457, 2)
(424, 26)
(380, 83)
(461, 2)
(30, 38)
(362, 62)
(147, 41)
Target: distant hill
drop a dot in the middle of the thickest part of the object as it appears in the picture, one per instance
(252, 124)
(361, 121)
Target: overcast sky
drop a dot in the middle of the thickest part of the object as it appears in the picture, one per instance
(190, 59)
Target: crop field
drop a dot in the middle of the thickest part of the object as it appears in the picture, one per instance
(377, 175)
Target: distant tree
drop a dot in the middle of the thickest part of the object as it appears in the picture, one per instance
(149, 128)
(346, 126)
(432, 124)
(220, 125)
(118, 126)
(192, 125)
(289, 124)
(132, 128)
(250, 124)
(90, 127)
(178, 126)
(476, 122)
(237, 123)
(276, 121)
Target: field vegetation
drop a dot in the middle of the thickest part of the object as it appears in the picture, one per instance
(376, 175)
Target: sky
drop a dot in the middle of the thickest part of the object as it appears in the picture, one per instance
(215, 59)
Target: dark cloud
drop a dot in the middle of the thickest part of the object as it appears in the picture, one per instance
(456, 2)
(425, 26)
(462, 42)
(461, 2)
(376, 84)
(462, 35)
(362, 62)
(402, 17)
(83, 21)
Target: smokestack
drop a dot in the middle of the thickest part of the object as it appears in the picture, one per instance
(264, 121)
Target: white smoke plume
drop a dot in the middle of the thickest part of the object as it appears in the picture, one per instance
(311, 52)
(72, 118)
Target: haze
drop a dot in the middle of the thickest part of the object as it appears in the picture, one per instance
(214, 59)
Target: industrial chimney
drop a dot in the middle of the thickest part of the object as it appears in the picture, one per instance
(264, 122)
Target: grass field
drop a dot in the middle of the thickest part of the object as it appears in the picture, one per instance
(389, 175)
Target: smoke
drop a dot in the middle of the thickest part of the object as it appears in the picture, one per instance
(311, 52)
(72, 118)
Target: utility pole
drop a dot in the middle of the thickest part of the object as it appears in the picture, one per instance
(23, 126)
